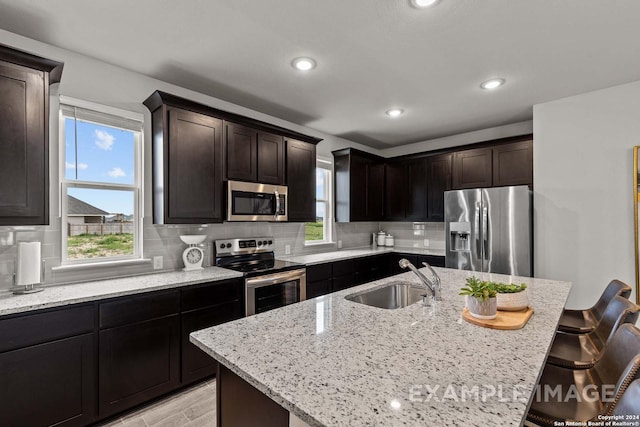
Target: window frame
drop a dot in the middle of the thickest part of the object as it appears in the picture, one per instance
(327, 229)
(109, 114)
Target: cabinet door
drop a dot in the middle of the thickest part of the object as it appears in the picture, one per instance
(196, 364)
(241, 152)
(395, 190)
(24, 148)
(432, 260)
(270, 158)
(301, 180)
(438, 181)
(395, 262)
(138, 362)
(194, 174)
(513, 164)
(375, 192)
(49, 384)
(316, 289)
(472, 168)
(416, 202)
(358, 189)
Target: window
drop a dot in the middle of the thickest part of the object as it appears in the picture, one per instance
(320, 230)
(100, 175)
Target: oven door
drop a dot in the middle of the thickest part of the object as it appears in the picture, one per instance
(264, 293)
(247, 201)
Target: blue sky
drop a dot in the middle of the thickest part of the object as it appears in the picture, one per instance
(104, 154)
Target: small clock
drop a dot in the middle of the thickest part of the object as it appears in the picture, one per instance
(192, 255)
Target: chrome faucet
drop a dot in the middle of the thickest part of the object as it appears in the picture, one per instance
(433, 285)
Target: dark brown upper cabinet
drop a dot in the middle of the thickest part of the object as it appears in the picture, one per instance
(509, 163)
(301, 180)
(187, 167)
(395, 191)
(253, 155)
(473, 168)
(24, 136)
(513, 164)
(406, 190)
(438, 181)
(196, 146)
(241, 148)
(359, 186)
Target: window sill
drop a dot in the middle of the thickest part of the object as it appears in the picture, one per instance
(323, 243)
(105, 264)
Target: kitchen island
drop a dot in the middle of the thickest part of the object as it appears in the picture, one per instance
(333, 362)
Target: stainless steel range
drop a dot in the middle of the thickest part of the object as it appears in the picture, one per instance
(269, 283)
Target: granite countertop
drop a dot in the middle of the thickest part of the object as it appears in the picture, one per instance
(323, 257)
(333, 362)
(60, 295)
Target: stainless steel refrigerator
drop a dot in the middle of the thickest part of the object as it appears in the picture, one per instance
(490, 230)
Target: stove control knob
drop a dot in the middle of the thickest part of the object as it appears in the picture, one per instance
(271, 242)
(228, 245)
(264, 242)
(221, 245)
(259, 243)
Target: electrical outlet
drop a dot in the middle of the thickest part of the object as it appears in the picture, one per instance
(339, 244)
(287, 249)
(426, 243)
(157, 262)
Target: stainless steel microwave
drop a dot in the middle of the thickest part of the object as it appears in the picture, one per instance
(248, 201)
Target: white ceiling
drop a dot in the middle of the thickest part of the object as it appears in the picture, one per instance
(371, 55)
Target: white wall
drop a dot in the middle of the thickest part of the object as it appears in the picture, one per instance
(583, 189)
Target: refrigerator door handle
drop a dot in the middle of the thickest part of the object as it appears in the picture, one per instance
(477, 233)
(485, 234)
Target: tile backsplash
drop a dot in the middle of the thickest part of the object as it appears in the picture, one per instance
(413, 235)
(164, 240)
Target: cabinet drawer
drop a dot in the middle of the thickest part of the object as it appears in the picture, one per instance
(30, 329)
(138, 308)
(341, 268)
(212, 294)
(343, 282)
(318, 272)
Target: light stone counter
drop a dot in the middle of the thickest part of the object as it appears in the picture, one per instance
(333, 362)
(323, 257)
(55, 296)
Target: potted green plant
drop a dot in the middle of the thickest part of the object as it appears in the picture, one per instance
(481, 298)
(512, 297)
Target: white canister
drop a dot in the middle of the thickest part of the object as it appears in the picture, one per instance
(381, 238)
(388, 240)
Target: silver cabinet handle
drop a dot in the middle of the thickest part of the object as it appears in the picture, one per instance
(477, 228)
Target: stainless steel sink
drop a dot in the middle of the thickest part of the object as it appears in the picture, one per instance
(391, 296)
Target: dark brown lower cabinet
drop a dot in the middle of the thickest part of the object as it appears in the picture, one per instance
(137, 363)
(241, 404)
(416, 260)
(49, 384)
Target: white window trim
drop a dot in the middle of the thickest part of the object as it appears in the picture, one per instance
(136, 187)
(327, 164)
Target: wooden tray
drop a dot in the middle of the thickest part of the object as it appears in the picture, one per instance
(507, 320)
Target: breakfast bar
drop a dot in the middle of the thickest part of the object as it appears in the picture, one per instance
(330, 361)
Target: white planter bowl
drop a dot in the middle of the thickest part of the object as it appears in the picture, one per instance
(482, 309)
(513, 302)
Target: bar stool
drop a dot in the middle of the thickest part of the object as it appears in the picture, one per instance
(618, 366)
(583, 321)
(580, 351)
(629, 403)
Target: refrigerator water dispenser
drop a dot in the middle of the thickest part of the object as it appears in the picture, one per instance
(459, 236)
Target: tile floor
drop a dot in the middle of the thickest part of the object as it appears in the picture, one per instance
(194, 407)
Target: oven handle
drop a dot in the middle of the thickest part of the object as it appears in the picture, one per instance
(277, 204)
(273, 279)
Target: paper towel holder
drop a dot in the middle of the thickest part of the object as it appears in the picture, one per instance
(30, 288)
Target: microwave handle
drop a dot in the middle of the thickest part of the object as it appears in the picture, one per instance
(277, 203)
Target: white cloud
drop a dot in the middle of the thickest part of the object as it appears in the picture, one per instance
(81, 166)
(104, 139)
(116, 173)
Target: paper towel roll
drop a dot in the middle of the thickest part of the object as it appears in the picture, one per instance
(28, 270)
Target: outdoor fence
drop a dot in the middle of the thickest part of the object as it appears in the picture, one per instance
(100, 229)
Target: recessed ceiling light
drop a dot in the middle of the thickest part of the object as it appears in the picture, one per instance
(421, 4)
(492, 84)
(395, 112)
(303, 64)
